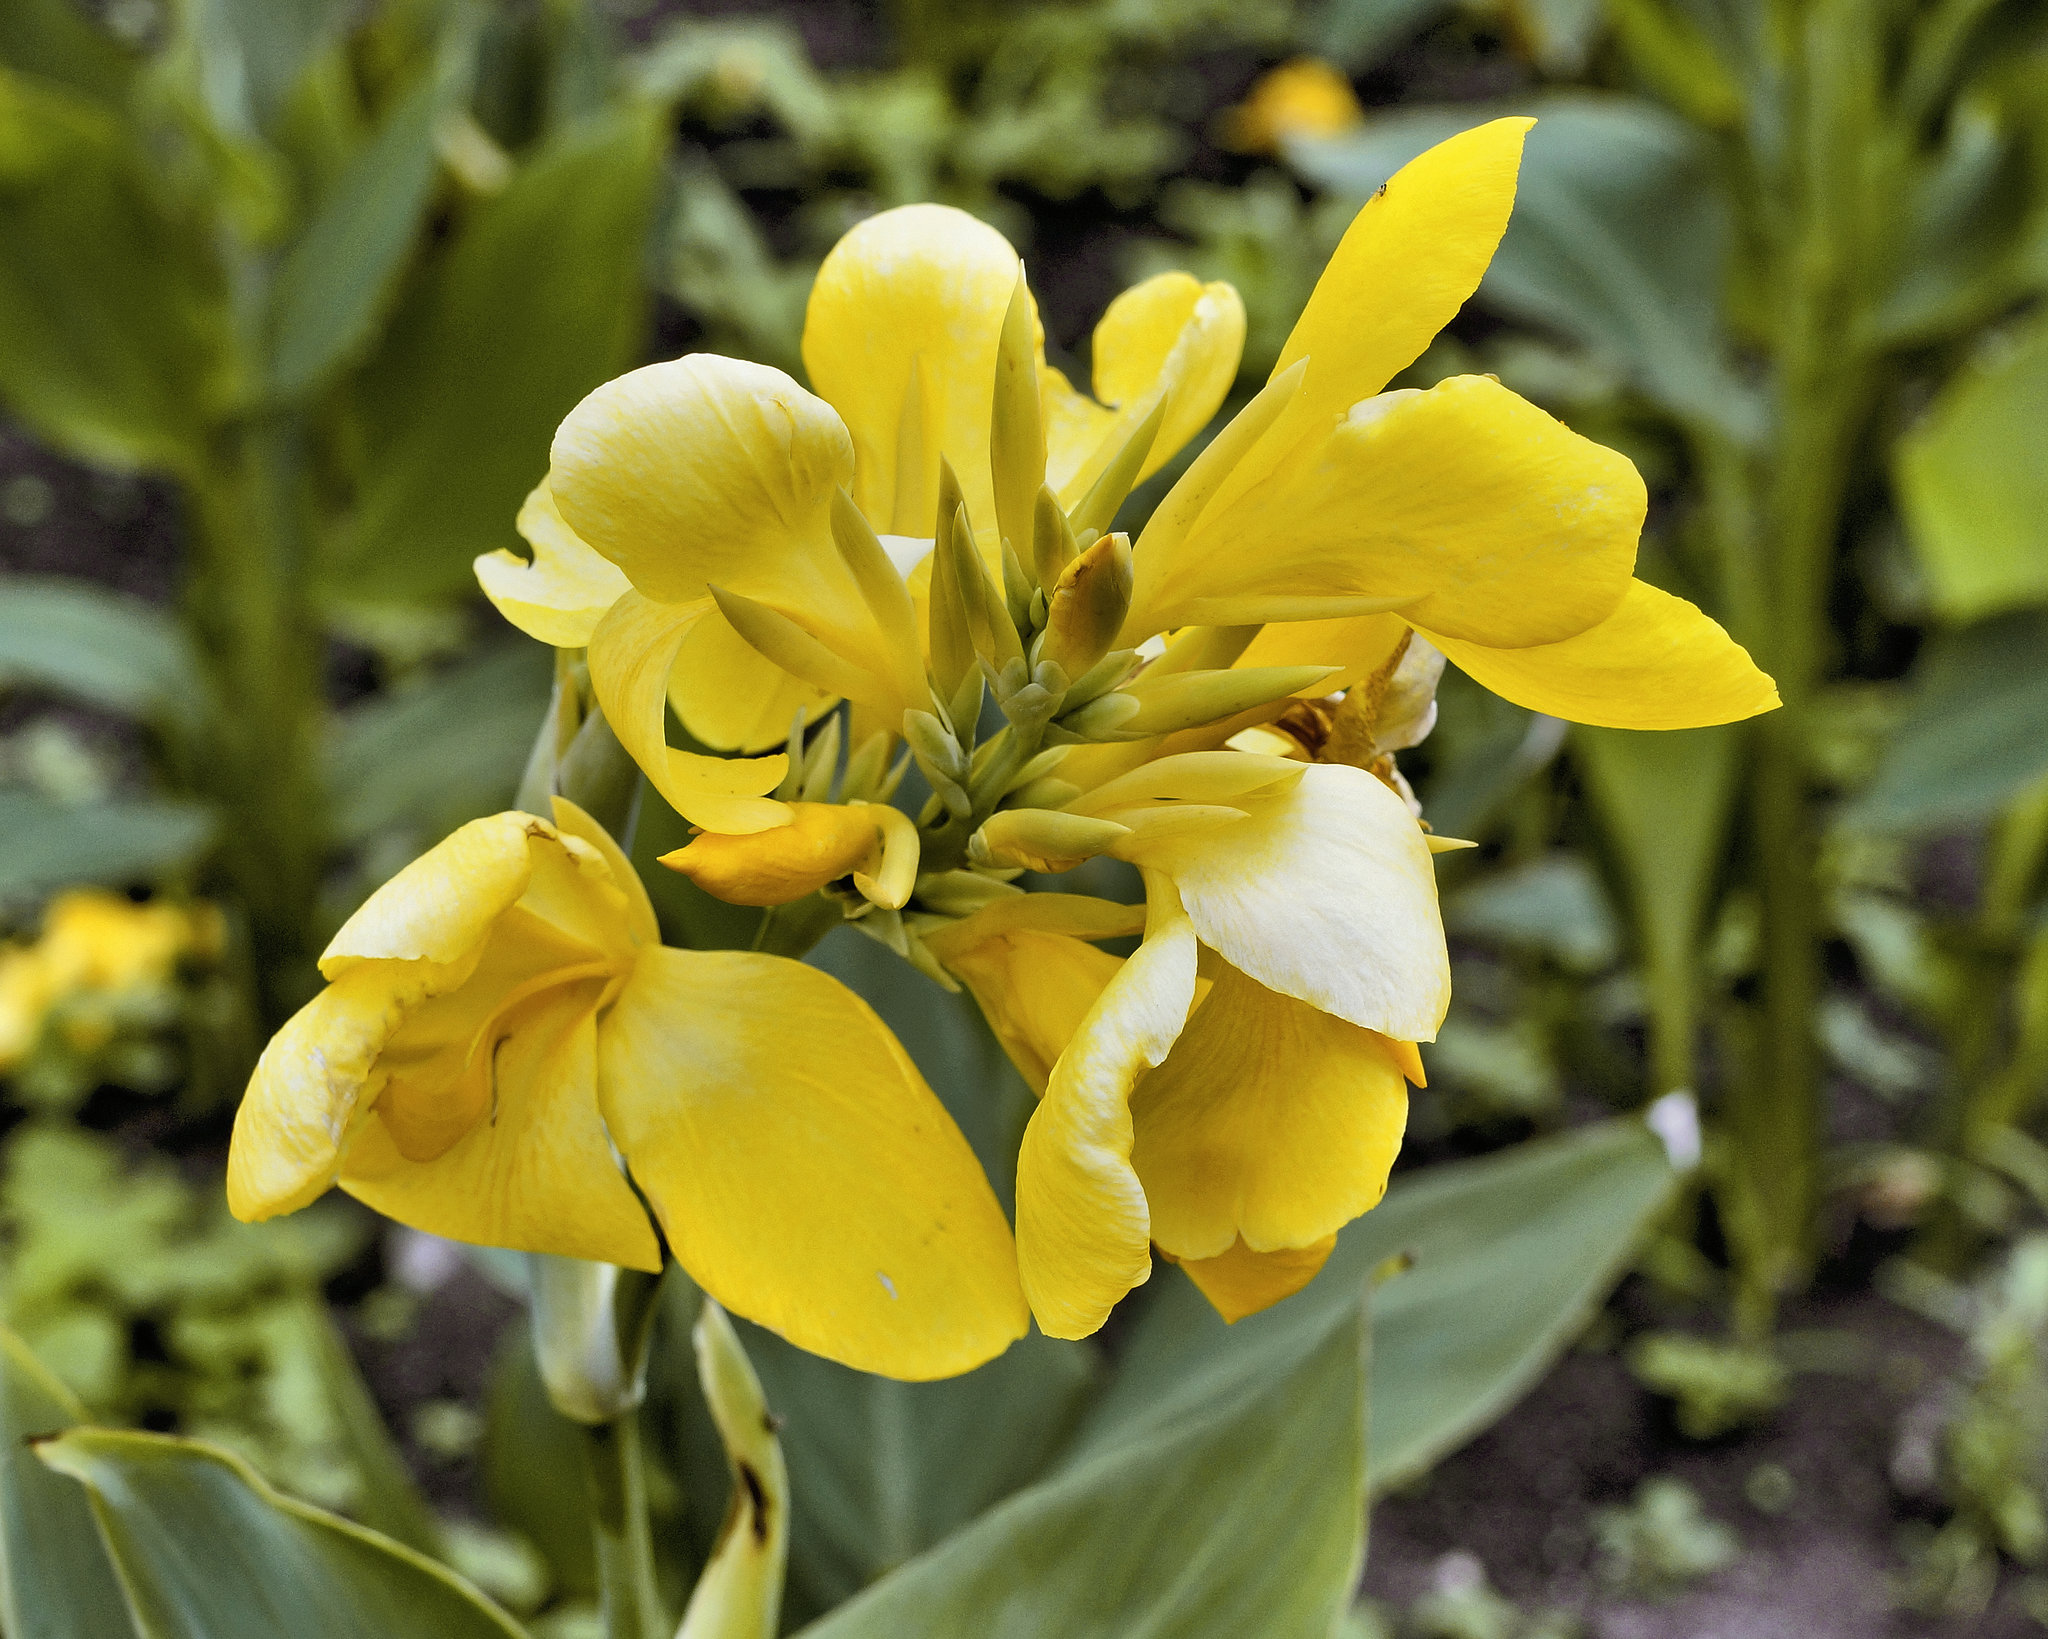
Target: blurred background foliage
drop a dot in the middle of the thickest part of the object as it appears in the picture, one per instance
(292, 294)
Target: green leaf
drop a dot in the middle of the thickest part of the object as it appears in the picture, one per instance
(1972, 484)
(540, 299)
(247, 56)
(1513, 1254)
(207, 1550)
(534, 1467)
(1618, 237)
(441, 753)
(1233, 1504)
(52, 844)
(1358, 33)
(1975, 733)
(55, 1580)
(59, 40)
(338, 279)
(113, 320)
(75, 639)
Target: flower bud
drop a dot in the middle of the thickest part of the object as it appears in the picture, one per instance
(1088, 605)
(824, 842)
(1042, 839)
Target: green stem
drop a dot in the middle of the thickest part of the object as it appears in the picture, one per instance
(615, 1469)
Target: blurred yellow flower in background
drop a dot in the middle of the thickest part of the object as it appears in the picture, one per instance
(1307, 97)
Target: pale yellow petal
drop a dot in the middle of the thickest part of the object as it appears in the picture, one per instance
(1656, 662)
(806, 1176)
(731, 697)
(1325, 892)
(1083, 1232)
(901, 336)
(632, 653)
(1465, 508)
(440, 907)
(1270, 1121)
(1358, 646)
(563, 593)
(1241, 1282)
(639, 909)
(538, 1175)
(1171, 334)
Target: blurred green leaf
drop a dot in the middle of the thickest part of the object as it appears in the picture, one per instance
(1358, 33)
(1974, 734)
(55, 1580)
(1973, 486)
(540, 299)
(534, 1467)
(113, 323)
(441, 753)
(1231, 1505)
(59, 40)
(76, 639)
(207, 1550)
(1513, 1254)
(1618, 237)
(1554, 905)
(246, 56)
(52, 844)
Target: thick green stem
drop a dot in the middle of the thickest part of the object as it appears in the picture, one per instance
(627, 1591)
(248, 600)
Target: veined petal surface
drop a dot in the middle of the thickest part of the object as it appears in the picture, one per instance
(564, 592)
(805, 1174)
(901, 336)
(1657, 662)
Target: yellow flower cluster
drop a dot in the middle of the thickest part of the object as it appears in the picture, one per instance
(925, 530)
(95, 948)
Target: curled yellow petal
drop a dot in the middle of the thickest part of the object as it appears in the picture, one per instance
(1656, 662)
(1241, 1282)
(564, 592)
(823, 842)
(439, 908)
(805, 1174)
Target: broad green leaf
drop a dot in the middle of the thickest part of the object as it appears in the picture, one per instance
(533, 1466)
(51, 844)
(540, 299)
(75, 639)
(1554, 905)
(1618, 237)
(113, 320)
(1975, 733)
(55, 1581)
(1973, 486)
(60, 40)
(339, 276)
(441, 753)
(246, 56)
(1358, 33)
(1664, 799)
(207, 1550)
(1513, 1254)
(1233, 1504)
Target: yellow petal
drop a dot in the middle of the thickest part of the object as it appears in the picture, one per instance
(1083, 1232)
(309, 1086)
(1358, 646)
(563, 593)
(641, 925)
(1028, 964)
(1466, 508)
(1241, 1282)
(632, 653)
(1405, 266)
(1656, 662)
(823, 842)
(1270, 1121)
(1325, 892)
(901, 336)
(805, 1174)
(731, 697)
(440, 907)
(1171, 334)
(538, 1175)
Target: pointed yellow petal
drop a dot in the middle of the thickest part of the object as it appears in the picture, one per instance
(1083, 1232)
(806, 1175)
(1241, 1282)
(1171, 334)
(1405, 266)
(563, 593)
(901, 336)
(1466, 508)
(538, 1175)
(823, 842)
(632, 653)
(1325, 892)
(731, 697)
(1656, 662)
(1270, 1121)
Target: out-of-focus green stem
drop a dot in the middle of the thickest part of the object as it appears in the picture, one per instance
(616, 1470)
(247, 599)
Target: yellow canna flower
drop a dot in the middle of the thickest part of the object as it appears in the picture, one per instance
(1464, 512)
(501, 1018)
(1307, 97)
(1246, 1122)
